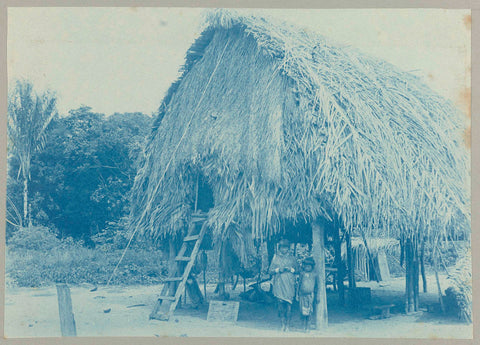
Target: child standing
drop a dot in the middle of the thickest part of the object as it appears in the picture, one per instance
(306, 291)
(283, 269)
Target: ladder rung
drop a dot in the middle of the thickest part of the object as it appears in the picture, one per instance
(161, 317)
(191, 238)
(168, 298)
(173, 279)
(183, 258)
(199, 217)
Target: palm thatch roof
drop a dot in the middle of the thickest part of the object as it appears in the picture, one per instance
(285, 125)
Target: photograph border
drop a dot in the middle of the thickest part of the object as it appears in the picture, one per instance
(474, 5)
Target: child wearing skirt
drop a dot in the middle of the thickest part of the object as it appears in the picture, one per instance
(306, 291)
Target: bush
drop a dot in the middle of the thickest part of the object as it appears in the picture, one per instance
(33, 238)
(36, 257)
(459, 295)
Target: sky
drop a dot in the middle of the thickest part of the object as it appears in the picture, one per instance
(124, 59)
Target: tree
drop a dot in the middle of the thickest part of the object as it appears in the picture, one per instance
(29, 116)
(80, 182)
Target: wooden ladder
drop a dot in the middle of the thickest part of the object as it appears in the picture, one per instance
(174, 285)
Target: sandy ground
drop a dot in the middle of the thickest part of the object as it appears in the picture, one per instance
(34, 313)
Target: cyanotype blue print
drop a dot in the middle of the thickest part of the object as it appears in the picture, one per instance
(190, 172)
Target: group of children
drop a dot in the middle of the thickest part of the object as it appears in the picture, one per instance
(284, 268)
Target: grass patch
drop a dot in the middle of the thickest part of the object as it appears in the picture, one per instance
(36, 257)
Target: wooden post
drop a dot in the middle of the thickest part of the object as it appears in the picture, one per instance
(370, 258)
(416, 281)
(411, 296)
(402, 251)
(205, 283)
(196, 195)
(440, 295)
(422, 266)
(415, 271)
(351, 268)
(270, 250)
(172, 253)
(439, 289)
(339, 265)
(25, 200)
(67, 319)
(318, 251)
(409, 276)
(260, 262)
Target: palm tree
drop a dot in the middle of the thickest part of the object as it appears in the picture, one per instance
(29, 115)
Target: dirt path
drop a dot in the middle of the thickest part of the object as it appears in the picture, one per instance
(34, 313)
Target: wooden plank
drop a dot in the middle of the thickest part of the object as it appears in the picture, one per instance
(318, 251)
(384, 306)
(223, 311)
(173, 279)
(183, 258)
(383, 269)
(384, 311)
(67, 319)
(190, 238)
(198, 217)
(166, 298)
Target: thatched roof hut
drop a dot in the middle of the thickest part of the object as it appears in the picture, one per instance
(279, 124)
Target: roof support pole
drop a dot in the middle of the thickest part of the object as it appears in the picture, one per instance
(408, 276)
(370, 257)
(422, 265)
(435, 267)
(270, 250)
(411, 281)
(318, 252)
(351, 268)
(416, 276)
(339, 264)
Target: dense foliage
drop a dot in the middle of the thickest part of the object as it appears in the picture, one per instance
(80, 182)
